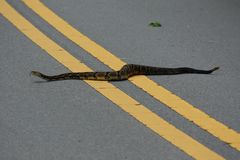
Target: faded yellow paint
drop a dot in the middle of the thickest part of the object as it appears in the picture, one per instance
(174, 102)
(125, 102)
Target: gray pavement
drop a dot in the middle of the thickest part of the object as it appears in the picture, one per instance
(70, 120)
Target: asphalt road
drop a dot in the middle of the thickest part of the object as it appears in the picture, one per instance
(70, 120)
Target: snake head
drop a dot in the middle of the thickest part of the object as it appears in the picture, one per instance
(35, 73)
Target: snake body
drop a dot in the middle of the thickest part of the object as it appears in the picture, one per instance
(124, 73)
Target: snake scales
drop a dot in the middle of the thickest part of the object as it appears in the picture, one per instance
(124, 73)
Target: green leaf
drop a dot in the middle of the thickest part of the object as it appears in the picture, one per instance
(155, 24)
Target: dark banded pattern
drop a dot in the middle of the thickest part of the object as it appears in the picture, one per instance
(124, 73)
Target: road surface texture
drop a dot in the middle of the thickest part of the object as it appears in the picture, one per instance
(71, 120)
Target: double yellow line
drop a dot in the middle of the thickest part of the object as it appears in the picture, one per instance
(138, 111)
(177, 104)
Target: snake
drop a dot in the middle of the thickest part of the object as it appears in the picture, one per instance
(127, 71)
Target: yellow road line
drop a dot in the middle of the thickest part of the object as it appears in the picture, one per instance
(128, 104)
(177, 104)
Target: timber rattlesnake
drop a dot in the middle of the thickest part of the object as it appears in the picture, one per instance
(124, 73)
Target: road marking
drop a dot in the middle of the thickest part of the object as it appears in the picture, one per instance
(126, 103)
(174, 102)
